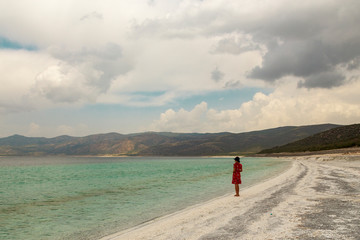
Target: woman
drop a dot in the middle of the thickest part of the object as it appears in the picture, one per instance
(236, 179)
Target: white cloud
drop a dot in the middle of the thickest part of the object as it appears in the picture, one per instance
(64, 83)
(18, 70)
(99, 49)
(287, 105)
(34, 130)
(183, 120)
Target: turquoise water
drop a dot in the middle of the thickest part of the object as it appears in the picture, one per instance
(86, 198)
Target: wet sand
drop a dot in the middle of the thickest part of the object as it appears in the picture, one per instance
(317, 198)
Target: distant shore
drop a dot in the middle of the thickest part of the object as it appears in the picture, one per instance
(317, 198)
(339, 152)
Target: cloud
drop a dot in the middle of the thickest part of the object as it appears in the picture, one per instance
(183, 120)
(323, 80)
(93, 15)
(154, 53)
(81, 75)
(301, 59)
(86, 53)
(233, 84)
(217, 75)
(116, 49)
(18, 69)
(151, 2)
(309, 41)
(106, 59)
(235, 44)
(286, 106)
(33, 129)
(304, 39)
(64, 83)
(353, 64)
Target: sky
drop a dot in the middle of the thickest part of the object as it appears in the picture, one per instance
(86, 67)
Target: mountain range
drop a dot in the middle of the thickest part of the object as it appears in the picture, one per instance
(335, 138)
(159, 143)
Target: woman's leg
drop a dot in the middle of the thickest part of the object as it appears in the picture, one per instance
(237, 190)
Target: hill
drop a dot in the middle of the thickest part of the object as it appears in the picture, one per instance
(159, 144)
(340, 137)
(232, 143)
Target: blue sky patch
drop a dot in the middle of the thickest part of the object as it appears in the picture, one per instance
(6, 43)
(223, 99)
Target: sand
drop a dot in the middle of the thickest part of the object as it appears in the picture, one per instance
(317, 198)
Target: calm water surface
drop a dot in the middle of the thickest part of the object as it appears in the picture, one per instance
(89, 197)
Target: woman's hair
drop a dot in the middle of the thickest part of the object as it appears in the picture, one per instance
(237, 159)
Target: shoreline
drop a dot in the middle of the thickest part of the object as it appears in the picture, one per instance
(158, 222)
(294, 204)
(333, 152)
(186, 209)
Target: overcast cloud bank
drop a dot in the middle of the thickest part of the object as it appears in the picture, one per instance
(66, 54)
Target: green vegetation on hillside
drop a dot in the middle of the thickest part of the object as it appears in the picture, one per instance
(340, 137)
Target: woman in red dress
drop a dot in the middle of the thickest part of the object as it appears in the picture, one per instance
(236, 179)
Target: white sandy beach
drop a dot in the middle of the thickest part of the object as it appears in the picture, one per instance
(317, 198)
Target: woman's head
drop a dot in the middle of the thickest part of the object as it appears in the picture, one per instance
(237, 159)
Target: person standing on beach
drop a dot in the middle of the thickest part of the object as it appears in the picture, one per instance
(236, 179)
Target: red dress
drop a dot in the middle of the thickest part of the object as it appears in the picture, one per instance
(236, 179)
